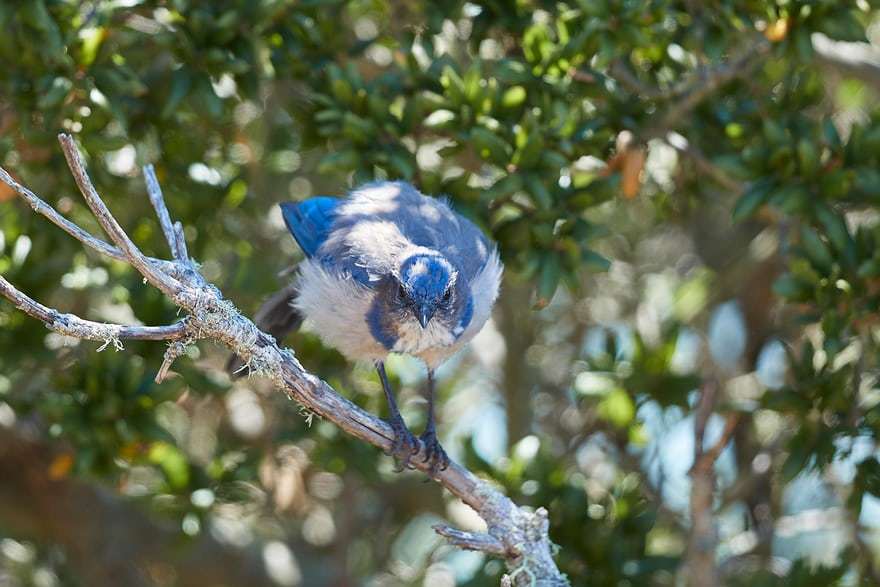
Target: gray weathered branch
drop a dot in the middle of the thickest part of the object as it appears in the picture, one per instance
(521, 533)
(173, 231)
(43, 209)
(71, 325)
(159, 279)
(479, 541)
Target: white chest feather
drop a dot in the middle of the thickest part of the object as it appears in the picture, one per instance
(412, 339)
(337, 309)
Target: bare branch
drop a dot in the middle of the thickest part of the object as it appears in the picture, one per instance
(175, 350)
(180, 242)
(480, 542)
(163, 282)
(71, 325)
(45, 210)
(706, 166)
(710, 457)
(522, 533)
(700, 563)
(154, 190)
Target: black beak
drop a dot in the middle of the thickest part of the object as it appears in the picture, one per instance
(424, 314)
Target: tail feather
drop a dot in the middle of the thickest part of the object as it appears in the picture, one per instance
(309, 221)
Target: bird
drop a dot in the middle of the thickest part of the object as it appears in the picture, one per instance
(387, 270)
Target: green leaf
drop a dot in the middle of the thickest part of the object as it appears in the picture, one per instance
(58, 91)
(180, 85)
(829, 132)
(453, 84)
(618, 408)
(837, 232)
(538, 191)
(173, 464)
(594, 261)
(504, 187)
(345, 160)
(756, 195)
(869, 268)
(91, 43)
(790, 287)
(489, 146)
(816, 249)
(529, 152)
(548, 281)
(513, 97)
(808, 157)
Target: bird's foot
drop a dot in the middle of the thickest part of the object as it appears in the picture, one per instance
(404, 446)
(434, 453)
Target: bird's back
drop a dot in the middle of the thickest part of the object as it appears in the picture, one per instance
(380, 222)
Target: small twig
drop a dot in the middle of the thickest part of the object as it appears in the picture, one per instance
(162, 281)
(480, 542)
(175, 350)
(181, 254)
(45, 210)
(154, 190)
(71, 325)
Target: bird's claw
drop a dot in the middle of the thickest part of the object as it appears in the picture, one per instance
(404, 446)
(434, 453)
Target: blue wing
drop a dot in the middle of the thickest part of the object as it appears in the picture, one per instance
(309, 221)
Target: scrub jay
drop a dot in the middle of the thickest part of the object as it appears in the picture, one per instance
(388, 270)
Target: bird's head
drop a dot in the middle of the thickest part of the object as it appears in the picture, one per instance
(426, 287)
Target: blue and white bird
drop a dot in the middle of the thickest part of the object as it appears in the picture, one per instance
(389, 270)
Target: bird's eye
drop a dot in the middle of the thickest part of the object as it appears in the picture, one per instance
(447, 295)
(401, 292)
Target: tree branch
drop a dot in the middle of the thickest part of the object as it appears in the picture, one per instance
(700, 564)
(160, 280)
(523, 534)
(471, 540)
(71, 325)
(45, 210)
(173, 235)
(703, 164)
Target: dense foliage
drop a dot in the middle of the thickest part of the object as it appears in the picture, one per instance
(683, 193)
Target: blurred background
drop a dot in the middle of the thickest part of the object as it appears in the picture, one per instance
(685, 195)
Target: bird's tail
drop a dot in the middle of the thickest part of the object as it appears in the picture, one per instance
(278, 317)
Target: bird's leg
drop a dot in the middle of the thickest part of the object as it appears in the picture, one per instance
(405, 444)
(434, 453)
